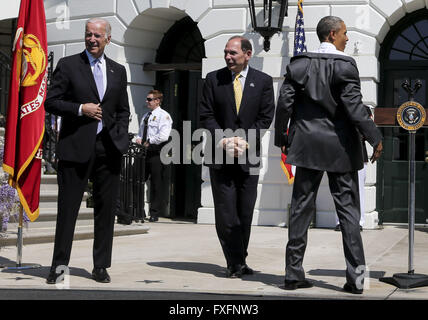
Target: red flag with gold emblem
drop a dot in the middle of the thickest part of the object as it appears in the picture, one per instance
(25, 113)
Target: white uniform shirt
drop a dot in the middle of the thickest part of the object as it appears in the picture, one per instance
(159, 126)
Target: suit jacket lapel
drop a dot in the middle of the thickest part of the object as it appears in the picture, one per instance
(227, 82)
(246, 93)
(87, 72)
(109, 74)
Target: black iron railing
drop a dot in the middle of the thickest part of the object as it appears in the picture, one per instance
(51, 129)
(132, 179)
(5, 67)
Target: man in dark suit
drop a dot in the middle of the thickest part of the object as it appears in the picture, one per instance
(241, 99)
(321, 97)
(89, 92)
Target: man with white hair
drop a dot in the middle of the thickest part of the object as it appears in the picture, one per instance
(89, 92)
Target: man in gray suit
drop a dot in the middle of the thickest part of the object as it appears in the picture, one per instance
(321, 96)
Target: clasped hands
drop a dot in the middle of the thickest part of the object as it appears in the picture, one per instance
(234, 146)
(92, 110)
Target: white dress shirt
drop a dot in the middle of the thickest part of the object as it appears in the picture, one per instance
(327, 47)
(242, 77)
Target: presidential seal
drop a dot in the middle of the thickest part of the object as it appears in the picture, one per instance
(411, 115)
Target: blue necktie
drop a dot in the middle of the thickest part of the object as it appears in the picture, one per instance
(98, 76)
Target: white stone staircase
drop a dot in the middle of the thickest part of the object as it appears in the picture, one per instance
(43, 229)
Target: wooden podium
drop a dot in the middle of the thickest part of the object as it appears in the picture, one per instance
(387, 117)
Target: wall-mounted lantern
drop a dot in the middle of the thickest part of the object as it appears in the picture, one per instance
(270, 20)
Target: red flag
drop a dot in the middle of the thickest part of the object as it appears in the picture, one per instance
(287, 168)
(25, 112)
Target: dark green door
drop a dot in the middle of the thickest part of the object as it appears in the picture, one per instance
(182, 92)
(393, 169)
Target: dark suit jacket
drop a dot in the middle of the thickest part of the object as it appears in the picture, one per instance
(218, 109)
(73, 84)
(321, 95)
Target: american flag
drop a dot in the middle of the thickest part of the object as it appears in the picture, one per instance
(299, 33)
(299, 47)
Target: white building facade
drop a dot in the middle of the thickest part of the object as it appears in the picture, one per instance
(139, 26)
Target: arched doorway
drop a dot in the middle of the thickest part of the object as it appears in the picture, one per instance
(403, 56)
(178, 67)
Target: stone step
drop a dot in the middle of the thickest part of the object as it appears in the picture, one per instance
(49, 214)
(52, 196)
(48, 179)
(44, 232)
(48, 187)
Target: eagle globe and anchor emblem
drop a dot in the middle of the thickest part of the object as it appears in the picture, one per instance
(34, 62)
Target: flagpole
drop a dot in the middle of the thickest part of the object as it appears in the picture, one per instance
(19, 239)
(19, 244)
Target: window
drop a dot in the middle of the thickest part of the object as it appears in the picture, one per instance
(411, 43)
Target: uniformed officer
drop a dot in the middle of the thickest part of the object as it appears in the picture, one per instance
(153, 135)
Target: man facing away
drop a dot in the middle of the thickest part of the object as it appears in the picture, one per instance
(321, 97)
(89, 93)
(238, 98)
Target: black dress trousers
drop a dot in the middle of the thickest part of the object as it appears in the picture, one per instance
(234, 193)
(103, 168)
(345, 193)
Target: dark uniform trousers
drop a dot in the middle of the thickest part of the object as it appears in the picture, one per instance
(103, 168)
(234, 193)
(344, 190)
(154, 169)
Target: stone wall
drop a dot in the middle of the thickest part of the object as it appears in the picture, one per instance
(138, 28)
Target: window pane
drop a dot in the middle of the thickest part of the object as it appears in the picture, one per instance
(412, 43)
(421, 54)
(397, 55)
(402, 44)
(411, 34)
(422, 27)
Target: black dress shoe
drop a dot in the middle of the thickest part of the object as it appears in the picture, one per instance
(234, 271)
(297, 284)
(337, 228)
(124, 221)
(245, 269)
(100, 275)
(53, 276)
(352, 288)
(153, 219)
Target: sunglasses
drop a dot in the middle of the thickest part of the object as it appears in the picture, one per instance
(150, 99)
